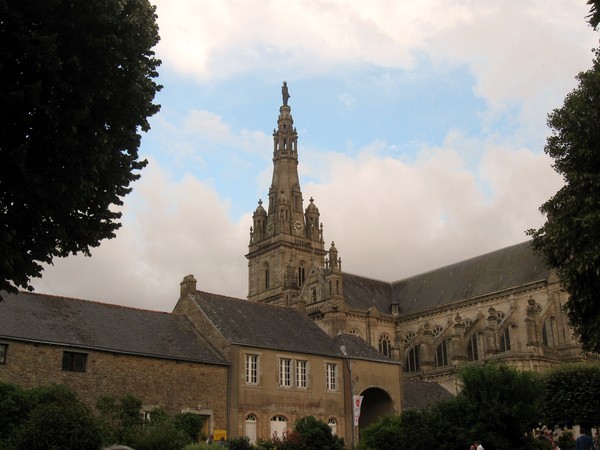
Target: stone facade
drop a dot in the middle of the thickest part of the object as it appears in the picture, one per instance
(176, 386)
(501, 306)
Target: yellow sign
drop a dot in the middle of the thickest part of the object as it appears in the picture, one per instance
(219, 435)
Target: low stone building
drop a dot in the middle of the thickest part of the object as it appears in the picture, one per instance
(99, 349)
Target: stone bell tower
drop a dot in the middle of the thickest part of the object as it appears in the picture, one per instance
(286, 241)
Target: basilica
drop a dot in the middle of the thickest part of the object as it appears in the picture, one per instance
(309, 339)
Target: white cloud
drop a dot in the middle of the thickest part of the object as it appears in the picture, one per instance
(390, 219)
(171, 228)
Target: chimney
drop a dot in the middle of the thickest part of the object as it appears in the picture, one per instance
(187, 286)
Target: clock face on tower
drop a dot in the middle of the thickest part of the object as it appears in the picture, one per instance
(298, 227)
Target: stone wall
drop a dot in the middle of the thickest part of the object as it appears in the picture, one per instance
(176, 386)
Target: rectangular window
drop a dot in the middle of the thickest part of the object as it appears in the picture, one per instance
(301, 374)
(251, 369)
(74, 362)
(331, 374)
(285, 372)
(3, 348)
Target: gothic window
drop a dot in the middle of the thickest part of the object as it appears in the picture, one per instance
(505, 340)
(267, 276)
(314, 294)
(385, 345)
(548, 333)
(413, 363)
(468, 323)
(472, 348)
(337, 286)
(441, 354)
(285, 372)
(331, 377)
(251, 369)
(354, 332)
(409, 336)
(301, 275)
(330, 291)
(437, 331)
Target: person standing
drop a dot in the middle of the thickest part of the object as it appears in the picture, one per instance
(584, 442)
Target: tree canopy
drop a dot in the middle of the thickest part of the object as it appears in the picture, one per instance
(76, 90)
(570, 239)
(497, 405)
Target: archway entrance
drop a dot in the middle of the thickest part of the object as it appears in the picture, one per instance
(376, 404)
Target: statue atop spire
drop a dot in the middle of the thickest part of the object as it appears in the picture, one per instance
(285, 93)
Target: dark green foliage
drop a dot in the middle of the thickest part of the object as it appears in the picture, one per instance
(56, 420)
(76, 89)
(594, 16)
(190, 423)
(399, 432)
(240, 443)
(161, 435)
(118, 417)
(15, 404)
(573, 395)
(566, 441)
(569, 241)
(497, 406)
(316, 434)
(500, 403)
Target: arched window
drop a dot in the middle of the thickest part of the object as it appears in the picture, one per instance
(278, 426)
(385, 345)
(437, 331)
(267, 276)
(441, 354)
(301, 275)
(354, 332)
(332, 424)
(250, 428)
(548, 337)
(472, 348)
(409, 336)
(505, 340)
(314, 294)
(413, 360)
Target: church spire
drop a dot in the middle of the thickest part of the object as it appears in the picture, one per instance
(285, 213)
(284, 236)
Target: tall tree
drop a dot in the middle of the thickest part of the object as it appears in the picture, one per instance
(76, 90)
(570, 239)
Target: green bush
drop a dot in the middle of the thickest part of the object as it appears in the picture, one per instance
(190, 423)
(316, 434)
(57, 420)
(158, 436)
(240, 443)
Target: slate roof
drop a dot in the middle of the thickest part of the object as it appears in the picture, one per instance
(99, 326)
(421, 394)
(500, 270)
(493, 272)
(358, 348)
(253, 324)
(364, 293)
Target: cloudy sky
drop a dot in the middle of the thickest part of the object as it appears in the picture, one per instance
(421, 134)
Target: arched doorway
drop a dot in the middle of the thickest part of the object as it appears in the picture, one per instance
(376, 404)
